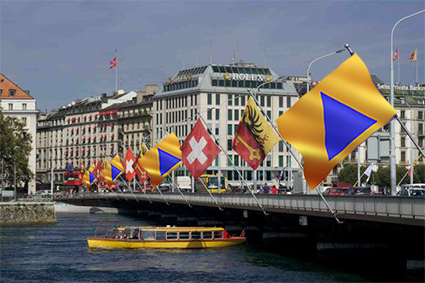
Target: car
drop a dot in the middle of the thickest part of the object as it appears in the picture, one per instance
(42, 193)
(412, 191)
(338, 191)
(359, 191)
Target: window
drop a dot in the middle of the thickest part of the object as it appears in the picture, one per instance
(217, 114)
(420, 129)
(218, 234)
(229, 115)
(288, 102)
(217, 129)
(243, 100)
(10, 106)
(402, 114)
(230, 99)
(269, 113)
(269, 101)
(196, 235)
(237, 115)
(229, 144)
(236, 101)
(262, 100)
(184, 235)
(209, 114)
(280, 146)
(217, 99)
(403, 156)
(281, 102)
(207, 235)
(160, 235)
(420, 115)
(229, 130)
(209, 99)
(236, 159)
(171, 235)
(280, 161)
(12, 92)
(24, 106)
(403, 141)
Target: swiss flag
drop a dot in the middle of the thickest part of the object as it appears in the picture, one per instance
(395, 57)
(113, 63)
(129, 162)
(97, 168)
(198, 150)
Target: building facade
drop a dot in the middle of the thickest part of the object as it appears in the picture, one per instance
(16, 102)
(88, 130)
(219, 93)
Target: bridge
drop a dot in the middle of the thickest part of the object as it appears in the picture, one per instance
(385, 209)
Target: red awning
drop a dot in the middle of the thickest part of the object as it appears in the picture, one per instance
(108, 112)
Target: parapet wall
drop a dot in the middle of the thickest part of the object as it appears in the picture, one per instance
(27, 212)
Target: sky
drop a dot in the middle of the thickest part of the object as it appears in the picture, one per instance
(60, 50)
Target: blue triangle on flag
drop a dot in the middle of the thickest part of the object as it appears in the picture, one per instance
(166, 161)
(92, 177)
(343, 124)
(115, 172)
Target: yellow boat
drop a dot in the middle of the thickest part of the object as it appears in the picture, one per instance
(166, 238)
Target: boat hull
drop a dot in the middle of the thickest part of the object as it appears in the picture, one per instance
(95, 243)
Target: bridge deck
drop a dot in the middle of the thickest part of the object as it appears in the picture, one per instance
(391, 209)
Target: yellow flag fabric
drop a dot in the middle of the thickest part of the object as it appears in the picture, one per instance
(335, 117)
(413, 56)
(88, 177)
(113, 170)
(143, 149)
(162, 159)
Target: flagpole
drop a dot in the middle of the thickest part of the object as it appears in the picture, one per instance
(144, 192)
(231, 161)
(206, 188)
(116, 73)
(302, 167)
(417, 79)
(398, 66)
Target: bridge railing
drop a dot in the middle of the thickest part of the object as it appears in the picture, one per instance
(388, 206)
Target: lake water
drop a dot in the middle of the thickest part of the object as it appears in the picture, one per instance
(59, 253)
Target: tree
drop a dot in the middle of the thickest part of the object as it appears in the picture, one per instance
(348, 174)
(419, 173)
(15, 147)
(383, 176)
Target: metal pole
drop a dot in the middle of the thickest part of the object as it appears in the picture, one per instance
(411, 147)
(392, 128)
(321, 57)
(51, 169)
(358, 167)
(410, 136)
(206, 188)
(15, 197)
(2, 178)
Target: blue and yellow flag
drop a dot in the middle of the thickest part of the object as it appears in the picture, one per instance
(113, 170)
(162, 159)
(335, 117)
(89, 178)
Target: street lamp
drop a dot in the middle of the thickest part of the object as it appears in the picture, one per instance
(321, 57)
(392, 128)
(411, 142)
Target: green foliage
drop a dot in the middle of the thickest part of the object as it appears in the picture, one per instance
(15, 147)
(383, 176)
(419, 173)
(348, 174)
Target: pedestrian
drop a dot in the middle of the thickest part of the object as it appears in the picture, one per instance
(266, 188)
(273, 190)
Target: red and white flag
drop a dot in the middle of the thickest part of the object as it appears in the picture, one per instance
(113, 63)
(395, 56)
(129, 162)
(198, 150)
(97, 168)
(142, 174)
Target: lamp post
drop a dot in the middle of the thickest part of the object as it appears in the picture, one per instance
(392, 128)
(411, 143)
(318, 58)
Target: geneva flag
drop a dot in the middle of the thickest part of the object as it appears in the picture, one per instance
(113, 170)
(199, 150)
(330, 121)
(254, 137)
(89, 177)
(162, 159)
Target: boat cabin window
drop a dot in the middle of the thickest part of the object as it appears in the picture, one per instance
(134, 234)
(160, 235)
(148, 234)
(207, 235)
(184, 236)
(119, 234)
(196, 235)
(127, 233)
(218, 234)
(171, 235)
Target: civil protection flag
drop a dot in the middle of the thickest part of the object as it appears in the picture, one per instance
(89, 177)
(335, 117)
(254, 136)
(113, 170)
(162, 159)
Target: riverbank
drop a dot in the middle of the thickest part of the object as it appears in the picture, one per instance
(15, 213)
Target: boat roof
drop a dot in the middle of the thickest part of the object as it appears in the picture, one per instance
(172, 229)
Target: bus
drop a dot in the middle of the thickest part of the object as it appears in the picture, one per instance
(211, 181)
